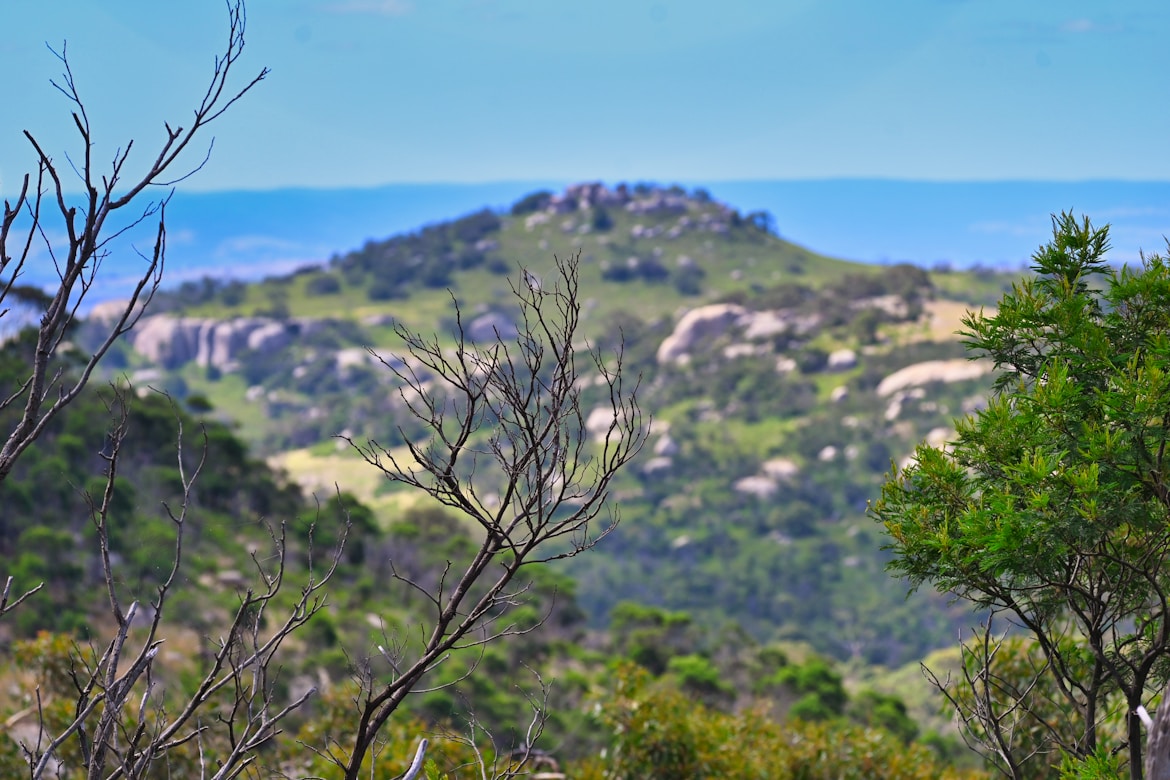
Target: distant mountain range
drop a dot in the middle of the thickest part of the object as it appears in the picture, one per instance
(253, 234)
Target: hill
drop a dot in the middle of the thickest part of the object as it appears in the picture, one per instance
(251, 234)
(744, 575)
(129, 497)
(783, 384)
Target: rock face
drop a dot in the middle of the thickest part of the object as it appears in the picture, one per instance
(929, 371)
(174, 341)
(108, 312)
(712, 321)
(705, 322)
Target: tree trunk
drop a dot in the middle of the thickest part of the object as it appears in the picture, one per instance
(1158, 743)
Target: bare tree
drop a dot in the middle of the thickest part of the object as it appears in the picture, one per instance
(1003, 708)
(121, 725)
(509, 449)
(8, 603)
(89, 225)
(1022, 716)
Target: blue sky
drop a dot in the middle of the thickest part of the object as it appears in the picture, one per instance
(370, 92)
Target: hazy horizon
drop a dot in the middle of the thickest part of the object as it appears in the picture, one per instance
(249, 234)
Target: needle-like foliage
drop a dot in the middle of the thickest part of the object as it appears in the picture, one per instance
(1051, 509)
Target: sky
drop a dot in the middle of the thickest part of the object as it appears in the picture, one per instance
(365, 93)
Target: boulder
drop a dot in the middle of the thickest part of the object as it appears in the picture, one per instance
(893, 305)
(842, 360)
(956, 370)
(665, 446)
(492, 326)
(379, 320)
(734, 351)
(780, 468)
(533, 220)
(658, 202)
(352, 356)
(900, 397)
(765, 324)
(702, 323)
(939, 438)
(656, 464)
(760, 487)
(599, 421)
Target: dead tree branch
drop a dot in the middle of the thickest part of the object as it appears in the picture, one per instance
(125, 730)
(89, 225)
(509, 449)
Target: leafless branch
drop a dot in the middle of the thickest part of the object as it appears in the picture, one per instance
(415, 765)
(509, 448)
(519, 758)
(88, 229)
(123, 731)
(6, 605)
(1009, 708)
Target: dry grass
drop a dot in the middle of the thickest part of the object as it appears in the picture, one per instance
(944, 318)
(321, 475)
(941, 321)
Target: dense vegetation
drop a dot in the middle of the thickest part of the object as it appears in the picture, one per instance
(239, 502)
(1050, 511)
(770, 433)
(750, 499)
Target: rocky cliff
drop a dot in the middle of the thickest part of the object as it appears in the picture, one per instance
(171, 341)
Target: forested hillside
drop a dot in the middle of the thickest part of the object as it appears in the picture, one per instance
(761, 362)
(777, 389)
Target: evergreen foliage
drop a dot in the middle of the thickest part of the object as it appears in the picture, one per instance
(1050, 510)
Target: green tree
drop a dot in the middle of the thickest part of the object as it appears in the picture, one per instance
(884, 711)
(820, 691)
(1050, 511)
(697, 675)
(659, 732)
(652, 636)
